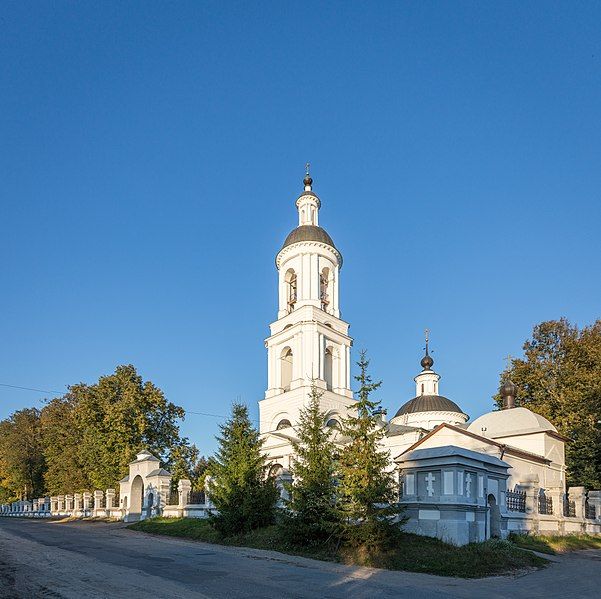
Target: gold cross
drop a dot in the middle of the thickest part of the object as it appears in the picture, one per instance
(307, 168)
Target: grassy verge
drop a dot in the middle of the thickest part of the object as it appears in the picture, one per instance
(414, 553)
(553, 544)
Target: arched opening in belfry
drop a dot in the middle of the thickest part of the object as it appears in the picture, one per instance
(284, 423)
(329, 368)
(324, 291)
(286, 361)
(291, 283)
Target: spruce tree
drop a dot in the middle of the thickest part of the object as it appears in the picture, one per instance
(369, 494)
(312, 516)
(244, 497)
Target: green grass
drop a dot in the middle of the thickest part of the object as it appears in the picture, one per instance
(414, 553)
(554, 544)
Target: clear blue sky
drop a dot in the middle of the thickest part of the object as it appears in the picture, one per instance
(151, 153)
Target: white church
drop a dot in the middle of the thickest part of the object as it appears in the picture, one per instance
(461, 481)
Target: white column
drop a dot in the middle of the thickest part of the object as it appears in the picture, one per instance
(322, 350)
(335, 307)
(348, 367)
(295, 365)
(314, 277)
(306, 270)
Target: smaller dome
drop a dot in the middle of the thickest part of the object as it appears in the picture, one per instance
(427, 362)
(507, 423)
(428, 403)
(307, 180)
(507, 388)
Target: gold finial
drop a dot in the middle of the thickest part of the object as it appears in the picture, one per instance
(427, 335)
(307, 165)
(509, 360)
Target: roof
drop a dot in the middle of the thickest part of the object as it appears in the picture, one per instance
(308, 233)
(516, 451)
(445, 451)
(428, 403)
(159, 472)
(511, 422)
(125, 479)
(145, 456)
(392, 430)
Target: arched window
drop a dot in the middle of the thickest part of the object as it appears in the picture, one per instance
(324, 279)
(275, 470)
(291, 289)
(333, 423)
(329, 368)
(286, 368)
(285, 423)
(422, 388)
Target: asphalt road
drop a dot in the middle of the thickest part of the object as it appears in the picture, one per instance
(88, 560)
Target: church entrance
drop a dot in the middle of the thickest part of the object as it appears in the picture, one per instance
(494, 517)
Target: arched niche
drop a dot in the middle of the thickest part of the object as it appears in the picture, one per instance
(286, 363)
(329, 368)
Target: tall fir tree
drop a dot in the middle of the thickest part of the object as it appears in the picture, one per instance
(312, 516)
(242, 493)
(369, 494)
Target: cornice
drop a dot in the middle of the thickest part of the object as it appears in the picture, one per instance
(308, 244)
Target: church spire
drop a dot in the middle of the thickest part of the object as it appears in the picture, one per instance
(308, 203)
(426, 382)
(307, 181)
(427, 361)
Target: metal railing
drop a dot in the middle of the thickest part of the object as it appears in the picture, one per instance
(196, 498)
(545, 505)
(569, 508)
(173, 498)
(516, 501)
(590, 511)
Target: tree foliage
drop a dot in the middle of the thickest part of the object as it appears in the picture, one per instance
(244, 497)
(185, 461)
(312, 514)
(369, 494)
(85, 439)
(22, 461)
(105, 425)
(560, 379)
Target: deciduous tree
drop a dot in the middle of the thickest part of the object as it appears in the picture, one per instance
(22, 461)
(559, 377)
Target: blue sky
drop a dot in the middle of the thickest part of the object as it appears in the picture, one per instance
(151, 155)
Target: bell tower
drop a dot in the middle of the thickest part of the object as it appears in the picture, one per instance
(309, 341)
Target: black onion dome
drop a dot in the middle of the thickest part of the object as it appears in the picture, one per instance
(428, 403)
(427, 362)
(307, 181)
(507, 388)
(308, 233)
